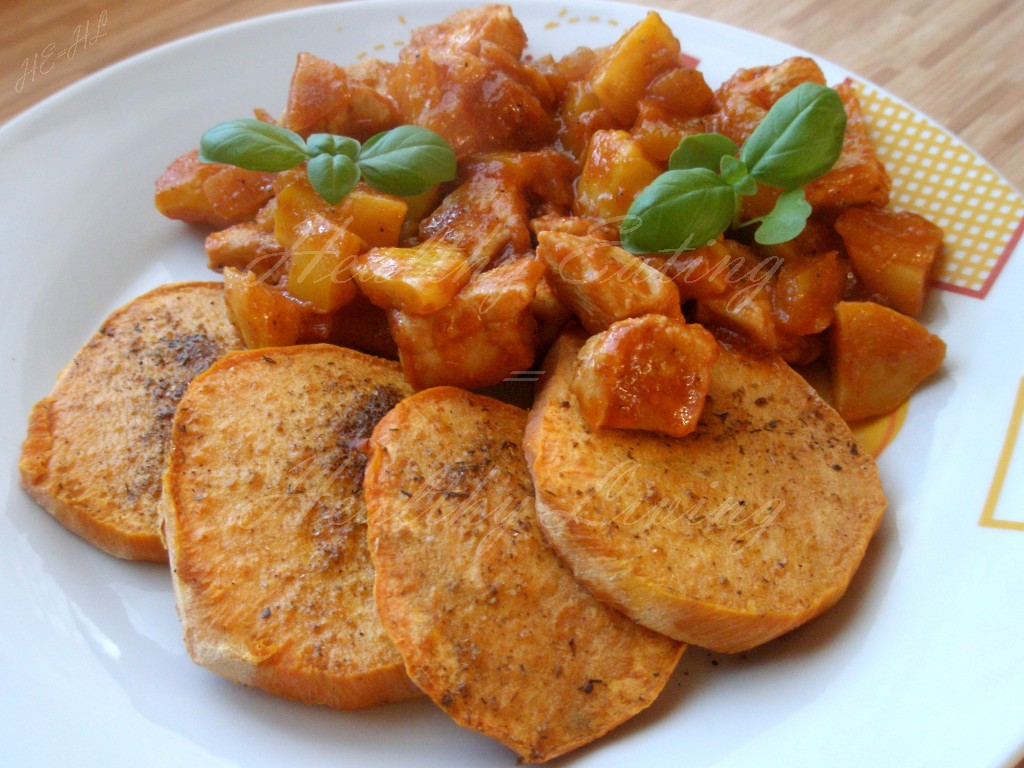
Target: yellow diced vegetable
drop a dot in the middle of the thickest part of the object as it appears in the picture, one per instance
(616, 169)
(417, 280)
(640, 55)
(322, 258)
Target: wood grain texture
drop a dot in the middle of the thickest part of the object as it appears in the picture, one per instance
(955, 61)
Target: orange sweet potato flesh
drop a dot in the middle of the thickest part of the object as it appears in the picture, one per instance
(265, 524)
(491, 624)
(879, 357)
(726, 538)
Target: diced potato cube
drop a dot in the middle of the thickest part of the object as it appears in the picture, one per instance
(703, 272)
(321, 261)
(417, 280)
(582, 113)
(892, 254)
(296, 202)
(318, 96)
(263, 315)
(485, 334)
(418, 207)
(627, 68)
(807, 289)
(678, 103)
(373, 216)
(614, 172)
(650, 373)
(878, 358)
(210, 194)
(603, 283)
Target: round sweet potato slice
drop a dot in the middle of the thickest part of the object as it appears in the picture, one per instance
(95, 447)
(726, 538)
(491, 624)
(266, 526)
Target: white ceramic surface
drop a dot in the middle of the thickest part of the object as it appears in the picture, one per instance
(921, 664)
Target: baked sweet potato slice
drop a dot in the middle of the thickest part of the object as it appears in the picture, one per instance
(491, 624)
(95, 447)
(265, 524)
(746, 528)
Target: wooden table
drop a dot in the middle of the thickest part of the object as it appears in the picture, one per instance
(956, 60)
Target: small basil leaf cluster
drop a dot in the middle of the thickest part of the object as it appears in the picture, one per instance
(406, 160)
(698, 197)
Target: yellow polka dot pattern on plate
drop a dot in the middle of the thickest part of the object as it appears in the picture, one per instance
(935, 175)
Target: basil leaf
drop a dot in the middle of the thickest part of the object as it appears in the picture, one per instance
(799, 139)
(704, 150)
(786, 220)
(332, 176)
(406, 160)
(330, 144)
(253, 145)
(680, 210)
(735, 173)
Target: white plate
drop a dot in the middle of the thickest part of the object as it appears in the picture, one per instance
(921, 663)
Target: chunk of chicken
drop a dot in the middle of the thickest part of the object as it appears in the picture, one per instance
(488, 215)
(650, 373)
(478, 101)
(483, 335)
(746, 97)
(603, 283)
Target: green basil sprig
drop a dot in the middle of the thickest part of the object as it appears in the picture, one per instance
(406, 160)
(698, 198)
